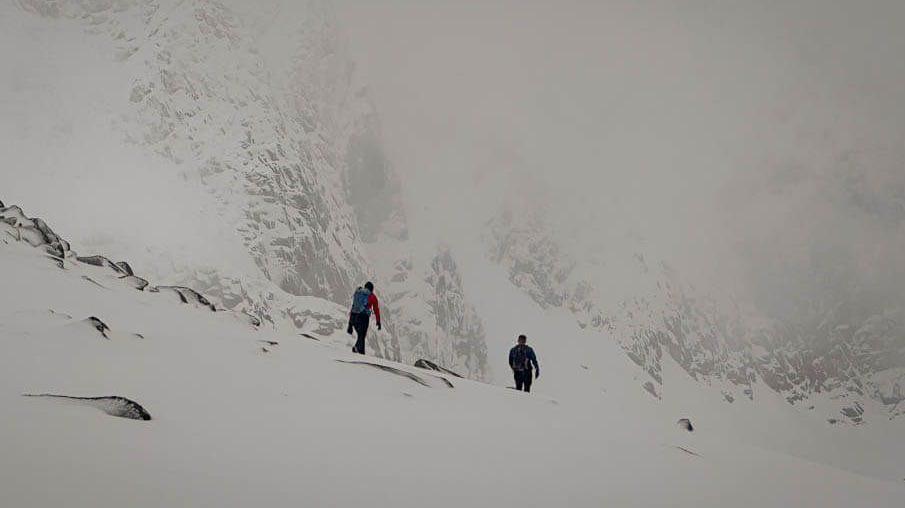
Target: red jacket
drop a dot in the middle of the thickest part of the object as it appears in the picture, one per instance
(374, 305)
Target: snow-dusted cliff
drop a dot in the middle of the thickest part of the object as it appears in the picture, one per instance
(843, 360)
(258, 111)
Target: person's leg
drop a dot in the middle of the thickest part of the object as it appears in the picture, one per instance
(361, 328)
(528, 379)
(518, 379)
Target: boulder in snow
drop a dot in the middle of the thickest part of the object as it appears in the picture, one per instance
(136, 282)
(113, 405)
(98, 325)
(104, 263)
(186, 295)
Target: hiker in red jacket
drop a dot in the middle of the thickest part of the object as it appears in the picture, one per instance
(363, 302)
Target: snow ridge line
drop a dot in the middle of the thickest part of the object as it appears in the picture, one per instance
(34, 231)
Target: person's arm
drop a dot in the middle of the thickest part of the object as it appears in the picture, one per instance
(349, 328)
(375, 306)
(533, 358)
(511, 355)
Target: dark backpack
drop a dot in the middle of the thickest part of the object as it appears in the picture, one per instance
(360, 301)
(520, 361)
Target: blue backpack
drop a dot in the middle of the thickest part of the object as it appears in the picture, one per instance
(360, 301)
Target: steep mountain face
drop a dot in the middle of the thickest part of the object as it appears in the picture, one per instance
(260, 109)
(843, 362)
(203, 97)
(434, 317)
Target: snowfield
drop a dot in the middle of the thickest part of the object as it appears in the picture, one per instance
(241, 416)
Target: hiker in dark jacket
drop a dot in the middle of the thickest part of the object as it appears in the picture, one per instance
(521, 359)
(363, 302)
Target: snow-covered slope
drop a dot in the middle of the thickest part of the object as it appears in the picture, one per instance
(240, 416)
(241, 128)
(841, 359)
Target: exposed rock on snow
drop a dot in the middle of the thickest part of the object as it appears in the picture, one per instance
(113, 405)
(31, 230)
(186, 295)
(428, 381)
(136, 282)
(98, 325)
(92, 281)
(855, 413)
(686, 450)
(429, 365)
(103, 262)
(250, 319)
(685, 424)
(124, 267)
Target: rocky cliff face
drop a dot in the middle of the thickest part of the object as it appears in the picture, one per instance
(261, 108)
(839, 360)
(432, 316)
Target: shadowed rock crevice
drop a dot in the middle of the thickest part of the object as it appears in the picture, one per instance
(112, 405)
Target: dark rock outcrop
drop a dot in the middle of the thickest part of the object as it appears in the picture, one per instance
(186, 295)
(124, 267)
(98, 325)
(32, 230)
(136, 282)
(685, 424)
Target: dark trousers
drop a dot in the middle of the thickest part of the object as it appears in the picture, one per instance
(523, 380)
(360, 324)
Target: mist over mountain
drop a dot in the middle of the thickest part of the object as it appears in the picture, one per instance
(694, 210)
(238, 142)
(753, 151)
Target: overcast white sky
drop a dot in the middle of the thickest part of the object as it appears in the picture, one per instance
(760, 144)
(710, 127)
